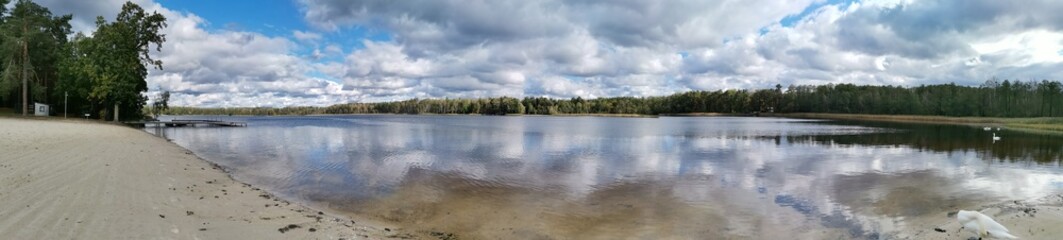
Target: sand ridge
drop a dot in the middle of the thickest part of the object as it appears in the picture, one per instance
(85, 180)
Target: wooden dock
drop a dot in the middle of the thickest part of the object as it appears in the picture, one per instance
(187, 123)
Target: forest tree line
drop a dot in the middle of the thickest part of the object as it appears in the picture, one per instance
(43, 61)
(992, 99)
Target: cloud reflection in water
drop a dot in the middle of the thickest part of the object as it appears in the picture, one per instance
(585, 177)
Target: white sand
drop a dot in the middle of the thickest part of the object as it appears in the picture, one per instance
(84, 180)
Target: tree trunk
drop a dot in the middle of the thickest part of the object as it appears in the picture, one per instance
(115, 112)
(25, 72)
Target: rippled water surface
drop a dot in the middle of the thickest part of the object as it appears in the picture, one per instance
(606, 178)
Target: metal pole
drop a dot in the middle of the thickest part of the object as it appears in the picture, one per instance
(65, 95)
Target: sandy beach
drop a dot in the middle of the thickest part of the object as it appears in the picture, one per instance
(1027, 219)
(85, 180)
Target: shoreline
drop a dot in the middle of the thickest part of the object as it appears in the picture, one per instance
(609, 115)
(616, 115)
(1033, 125)
(1037, 218)
(73, 178)
(1040, 125)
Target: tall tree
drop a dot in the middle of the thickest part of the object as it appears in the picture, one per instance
(30, 46)
(161, 104)
(75, 74)
(7, 83)
(121, 54)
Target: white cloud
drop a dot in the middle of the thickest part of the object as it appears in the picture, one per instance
(222, 68)
(306, 36)
(85, 12)
(230, 68)
(453, 48)
(1030, 47)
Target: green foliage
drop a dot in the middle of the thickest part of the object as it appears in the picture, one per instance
(1010, 99)
(91, 72)
(162, 103)
(30, 46)
(75, 75)
(992, 99)
(118, 57)
(10, 77)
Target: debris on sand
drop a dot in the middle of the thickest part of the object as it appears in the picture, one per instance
(288, 228)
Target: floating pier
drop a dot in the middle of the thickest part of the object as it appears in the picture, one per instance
(187, 123)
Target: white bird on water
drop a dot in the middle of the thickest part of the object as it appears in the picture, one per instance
(982, 225)
(995, 137)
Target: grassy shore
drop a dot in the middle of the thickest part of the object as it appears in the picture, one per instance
(618, 115)
(1045, 125)
(80, 179)
(707, 114)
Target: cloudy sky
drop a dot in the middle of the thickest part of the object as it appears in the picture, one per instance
(322, 52)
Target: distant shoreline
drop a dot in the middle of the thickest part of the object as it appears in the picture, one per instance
(1034, 125)
(616, 115)
(1049, 125)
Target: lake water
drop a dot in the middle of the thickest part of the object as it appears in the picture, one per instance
(529, 177)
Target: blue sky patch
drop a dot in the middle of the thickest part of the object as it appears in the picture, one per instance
(790, 21)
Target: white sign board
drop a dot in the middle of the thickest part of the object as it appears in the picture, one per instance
(40, 109)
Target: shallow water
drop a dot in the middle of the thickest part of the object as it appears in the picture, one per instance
(605, 178)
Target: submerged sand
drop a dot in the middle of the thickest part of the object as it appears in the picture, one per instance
(86, 180)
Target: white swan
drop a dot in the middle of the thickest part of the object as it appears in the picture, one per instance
(995, 137)
(987, 128)
(982, 225)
